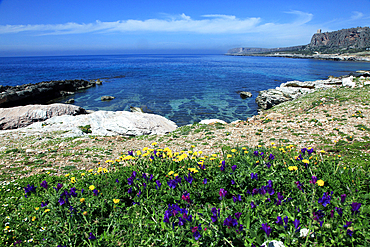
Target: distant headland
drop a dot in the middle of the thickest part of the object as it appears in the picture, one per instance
(346, 44)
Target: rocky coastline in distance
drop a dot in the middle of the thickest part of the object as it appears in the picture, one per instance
(351, 44)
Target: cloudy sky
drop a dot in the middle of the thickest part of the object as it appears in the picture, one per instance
(78, 27)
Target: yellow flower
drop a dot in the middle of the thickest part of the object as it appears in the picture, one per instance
(47, 210)
(305, 161)
(344, 168)
(212, 158)
(272, 143)
(33, 218)
(214, 155)
(66, 175)
(233, 150)
(320, 182)
(154, 143)
(292, 168)
(145, 148)
(200, 152)
(246, 152)
(91, 187)
(190, 152)
(322, 151)
(116, 201)
(84, 213)
(170, 173)
(82, 200)
(105, 170)
(48, 173)
(37, 208)
(229, 156)
(192, 146)
(91, 170)
(138, 152)
(175, 175)
(195, 153)
(73, 180)
(244, 148)
(259, 146)
(82, 174)
(339, 156)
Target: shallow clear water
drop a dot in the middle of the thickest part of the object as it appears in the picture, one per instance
(183, 88)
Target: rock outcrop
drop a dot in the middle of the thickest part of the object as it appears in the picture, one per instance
(22, 116)
(293, 89)
(40, 93)
(245, 95)
(106, 123)
(346, 38)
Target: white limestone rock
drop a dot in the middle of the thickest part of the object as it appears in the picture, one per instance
(212, 121)
(21, 116)
(108, 123)
(348, 82)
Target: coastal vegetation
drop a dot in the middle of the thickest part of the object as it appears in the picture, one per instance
(301, 178)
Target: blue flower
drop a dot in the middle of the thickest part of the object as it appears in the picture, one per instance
(296, 223)
(196, 235)
(230, 222)
(232, 181)
(279, 220)
(271, 157)
(234, 167)
(325, 199)
(253, 205)
(117, 180)
(254, 176)
(205, 181)
(129, 190)
(343, 198)
(189, 178)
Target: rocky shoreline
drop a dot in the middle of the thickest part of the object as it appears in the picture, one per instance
(40, 93)
(291, 90)
(334, 57)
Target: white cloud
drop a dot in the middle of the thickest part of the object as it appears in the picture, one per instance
(356, 15)
(209, 24)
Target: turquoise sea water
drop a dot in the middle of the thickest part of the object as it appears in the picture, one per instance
(183, 88)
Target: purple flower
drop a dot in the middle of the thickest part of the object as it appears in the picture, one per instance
(310, 151)
(279, 220)
(158, 184)
(339, 211)
(285, 221)
(232, 181)
(44, 184)
(234, 167)
(349, 232)
(223, 166)
(205, 181)
(222, 193)
(186, 197)
(299, 186)
(189, 179)
(129, 190)
(96, 192)
(271, 157)
(61, 201)
(196, 235)
(29, 189)
(280, 196)
(348, 224)
(134, 174)
(237, 198)
(332, 213)
(117, 180)
(266, 228)
(44, 204)
(313, 180)
(130, 180)
(82, 191)
(237, 215)
(254, 176)
(138, 193)
(230, 222)
(296, 223)
(253, 205)
(215, 213)
(255, 153)
(91, 236)
(355, 207)
(343, 198)
(317, 215)
(303, 150)
(268, 164)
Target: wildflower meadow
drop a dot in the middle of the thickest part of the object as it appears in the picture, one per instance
(157, 197)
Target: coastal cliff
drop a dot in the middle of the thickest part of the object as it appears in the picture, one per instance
(345, 44)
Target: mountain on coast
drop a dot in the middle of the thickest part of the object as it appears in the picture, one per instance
(352, 40)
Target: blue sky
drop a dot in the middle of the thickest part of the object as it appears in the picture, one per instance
(78, 27)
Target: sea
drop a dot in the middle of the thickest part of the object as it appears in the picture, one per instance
(183, 88)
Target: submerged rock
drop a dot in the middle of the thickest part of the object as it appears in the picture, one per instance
(245, 95)
(106, 98)
(136, 109)
(21, 116)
